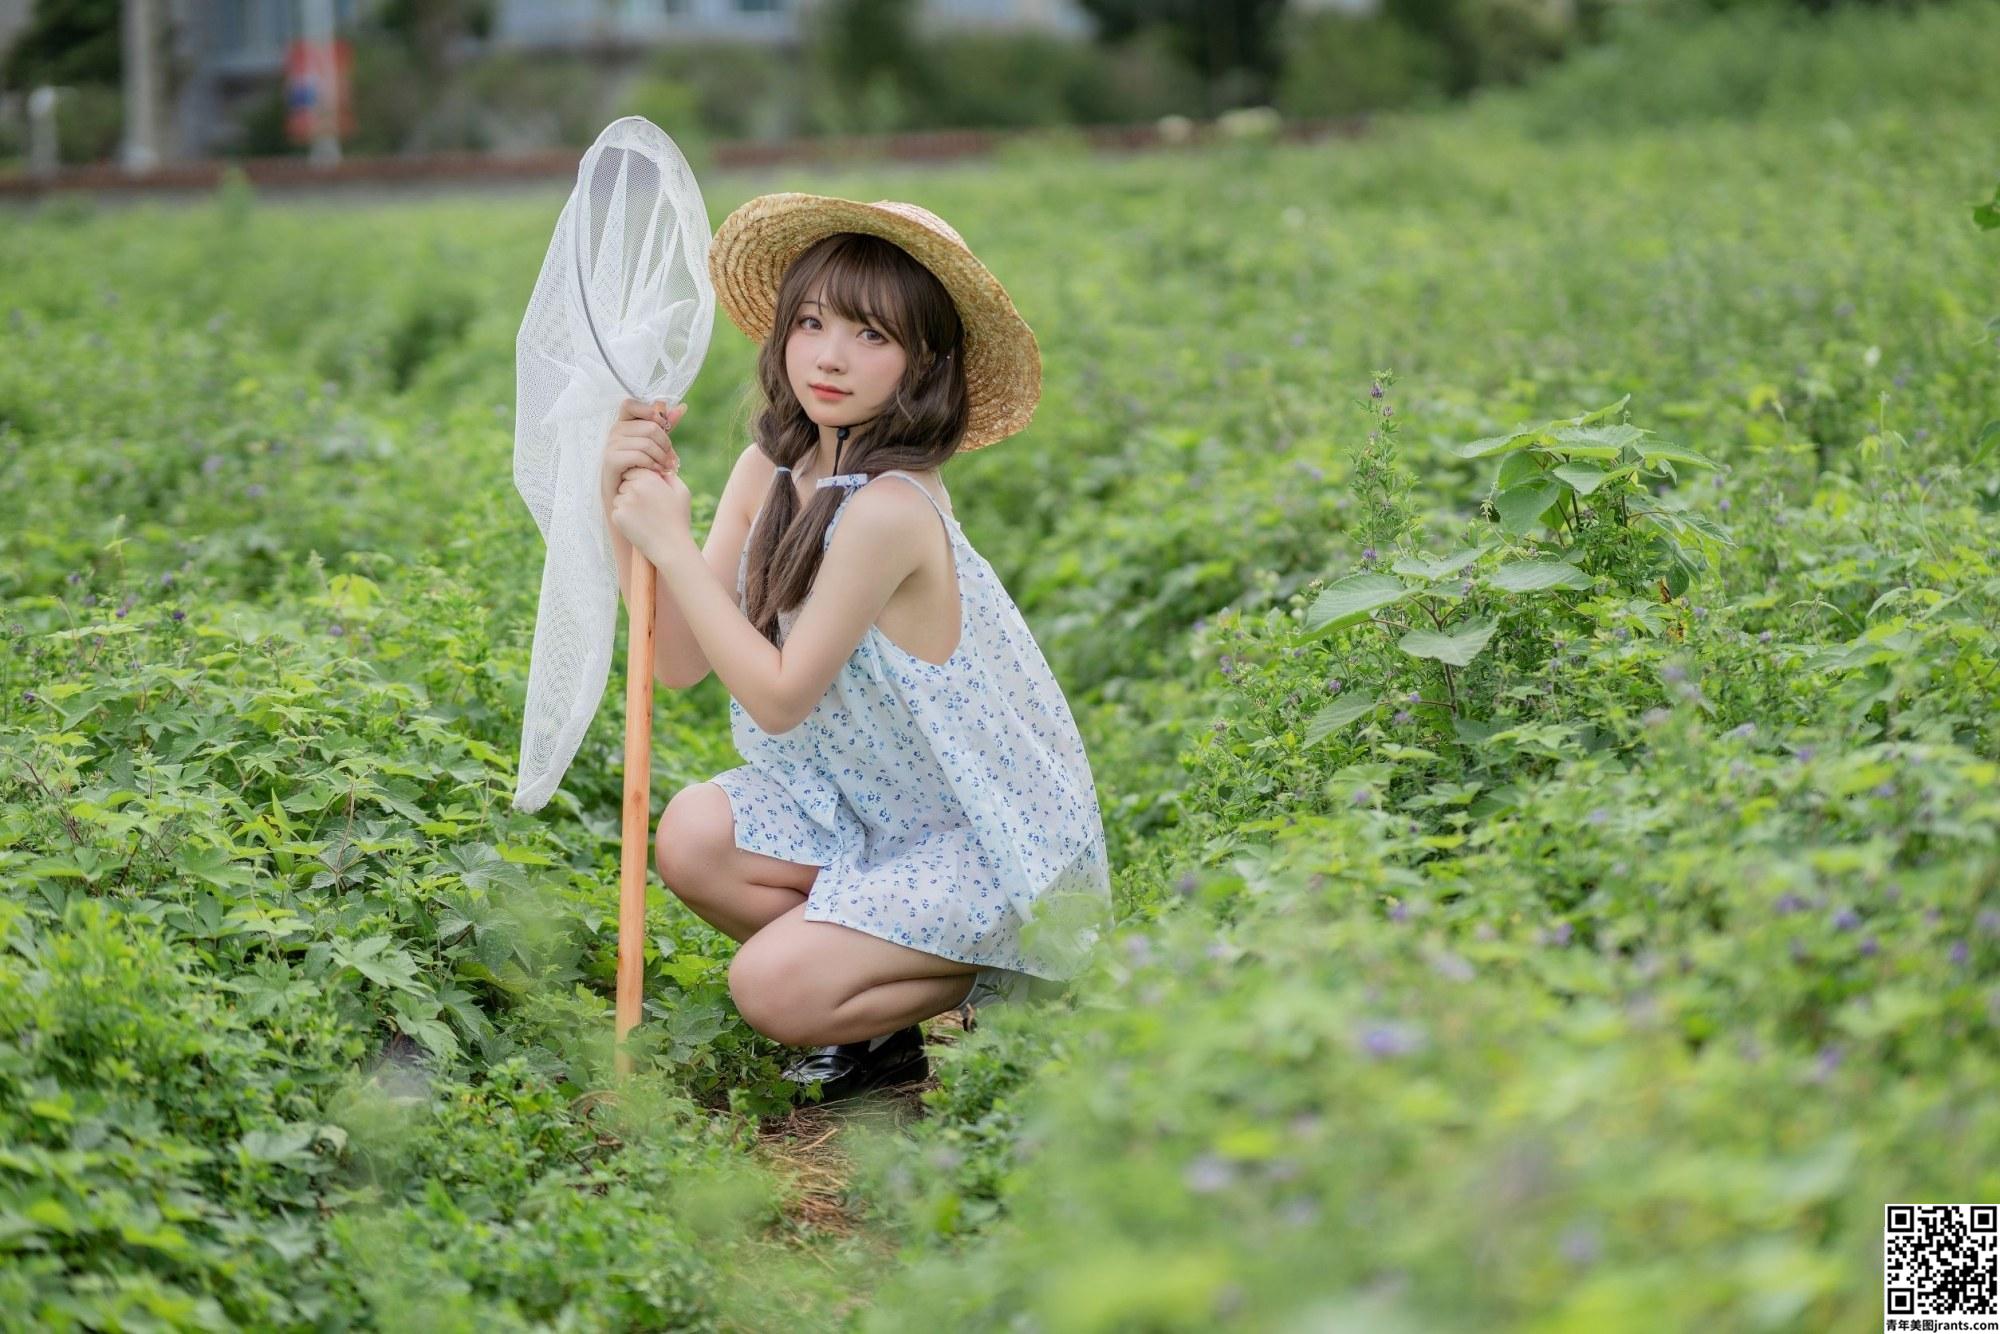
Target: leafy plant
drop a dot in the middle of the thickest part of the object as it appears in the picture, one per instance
(1578, 508)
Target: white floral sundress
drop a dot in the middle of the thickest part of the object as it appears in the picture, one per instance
(949, 806)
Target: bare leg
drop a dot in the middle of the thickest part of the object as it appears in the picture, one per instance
(740, 911)
(734, 891)
(888, 1006)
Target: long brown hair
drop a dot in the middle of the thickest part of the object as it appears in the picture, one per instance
(876, 282)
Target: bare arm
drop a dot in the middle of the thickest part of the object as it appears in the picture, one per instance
(678, 660)
(875, 548)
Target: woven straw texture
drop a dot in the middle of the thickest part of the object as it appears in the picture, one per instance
(758, 242)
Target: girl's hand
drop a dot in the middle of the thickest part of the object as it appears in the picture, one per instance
(650, 508)
(638, 439)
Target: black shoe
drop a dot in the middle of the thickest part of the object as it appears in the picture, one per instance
(846, 1068)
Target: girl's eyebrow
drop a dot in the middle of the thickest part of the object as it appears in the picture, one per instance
(867, 319)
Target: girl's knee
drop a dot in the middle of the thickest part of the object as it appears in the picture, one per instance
(687, 845)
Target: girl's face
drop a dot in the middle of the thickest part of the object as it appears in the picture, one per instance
(859, 359)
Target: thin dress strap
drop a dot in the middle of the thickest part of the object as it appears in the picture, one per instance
(898, 472)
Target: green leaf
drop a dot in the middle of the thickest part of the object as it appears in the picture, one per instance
(1595, 442)
(1520, 507)
(1352, 598)
(376, 960)
(1458, 646)
(1585, 477)
(1653, 453)
(213, 865)
(1337, 715)
(1495, 444)
(1987, 215)
(1530, 576)
(290, 1143)
(435, 1035)
(1592, 418)
(1444, 567)
(1515, 469)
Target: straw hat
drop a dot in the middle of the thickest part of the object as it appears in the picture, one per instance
(758, 242)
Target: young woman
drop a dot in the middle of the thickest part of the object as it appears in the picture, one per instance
(915, 826)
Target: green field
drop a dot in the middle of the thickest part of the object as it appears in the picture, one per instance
(1581, 914)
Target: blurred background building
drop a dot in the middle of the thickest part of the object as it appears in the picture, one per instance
(505, 76)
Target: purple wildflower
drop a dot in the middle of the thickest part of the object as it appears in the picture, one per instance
(254, 490)
(1140, 948)
(1885, 790)
(1375, 389)
(1399, 911)
(336, 629)
(1654, 717)
(1187, 884)
(1333, 684)
(1367, 555)
(1208, 1174)
(1389, 1039)
(1402, 716)
(1959, 953)
(1673, 672)
(1788, 903)
(1846, 919)
(75, 578)
(1743, 731)
(1388, 411)
(27, 696)
(1598, 815)
(1763, 636)
(1557, 935)
(1580, 1244)
(1415, 697)
(212, 465)
(1453, 966)
(1989, 921)
(1869, 947)
(180, 616)
(1803, 754)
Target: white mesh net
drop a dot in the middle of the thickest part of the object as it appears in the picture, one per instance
(623, 308)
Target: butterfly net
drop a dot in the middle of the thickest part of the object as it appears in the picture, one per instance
(623, 307)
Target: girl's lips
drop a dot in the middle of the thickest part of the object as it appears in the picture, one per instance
(828, 393)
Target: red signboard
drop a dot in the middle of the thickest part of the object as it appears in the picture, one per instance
(307, 90)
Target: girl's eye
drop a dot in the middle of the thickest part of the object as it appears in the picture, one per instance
(815, 319)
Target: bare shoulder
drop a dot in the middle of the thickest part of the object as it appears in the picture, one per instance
(890, 522)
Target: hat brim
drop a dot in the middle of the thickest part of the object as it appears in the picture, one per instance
(756, 244)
